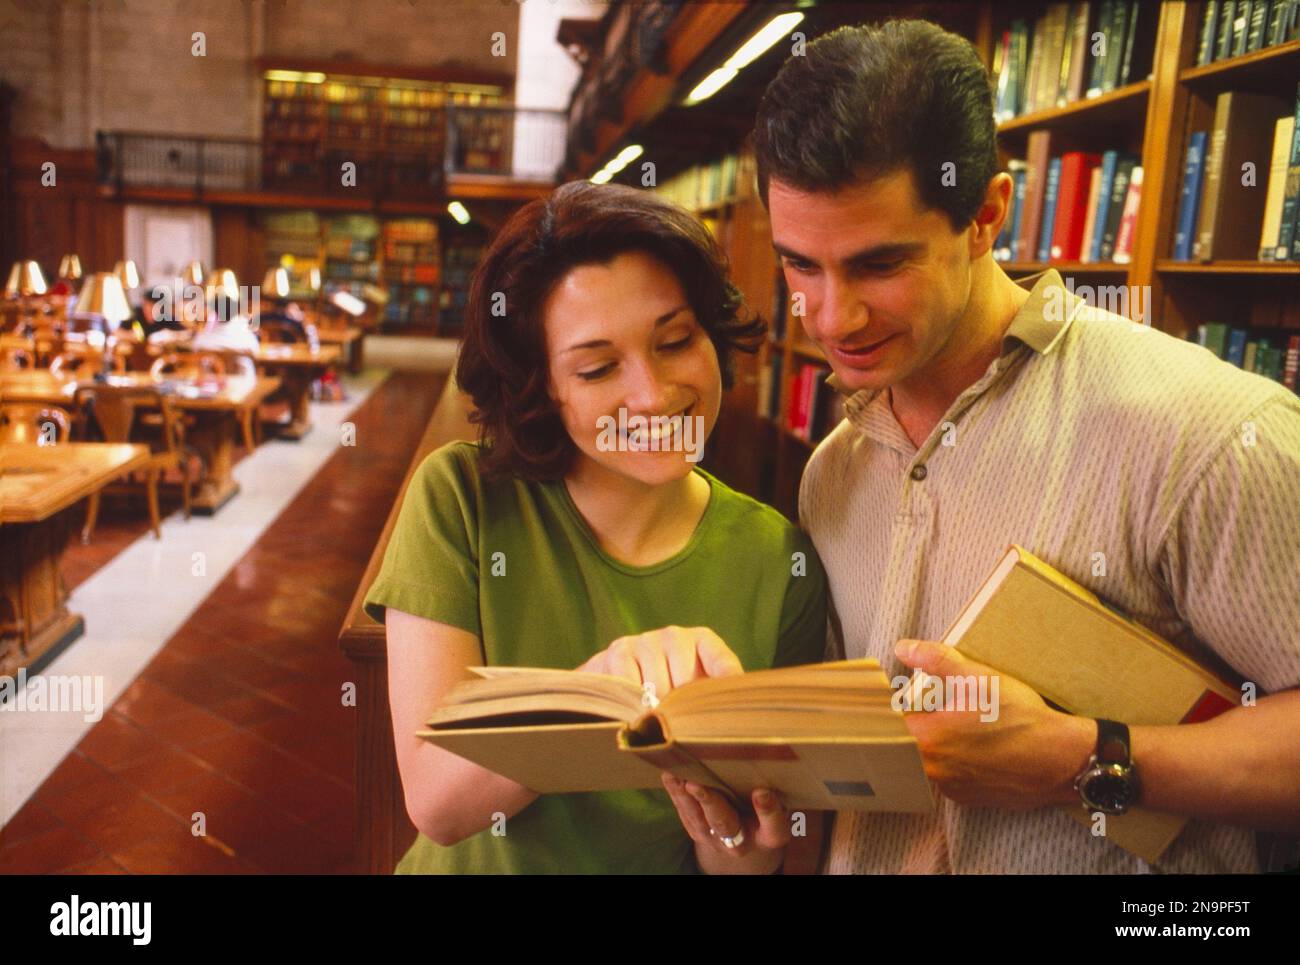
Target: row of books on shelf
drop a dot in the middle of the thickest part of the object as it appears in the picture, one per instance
(1225, 211)
(812, 407)
(1230, 28)
(704, 184)
(1073, 51)
(339, 92)
(1079, 206)
(1257, 355)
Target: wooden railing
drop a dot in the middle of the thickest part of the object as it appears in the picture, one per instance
(383, 830)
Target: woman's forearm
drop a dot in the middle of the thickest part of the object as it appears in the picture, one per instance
(450, 799)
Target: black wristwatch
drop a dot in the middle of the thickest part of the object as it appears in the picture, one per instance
(1109, 783)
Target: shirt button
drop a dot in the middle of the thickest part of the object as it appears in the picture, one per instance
(918, 472)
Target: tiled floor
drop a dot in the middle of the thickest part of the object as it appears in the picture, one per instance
(237, 726)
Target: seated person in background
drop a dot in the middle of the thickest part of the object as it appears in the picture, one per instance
(228, 329)
(291, 324)
(159, 325)
(557, 535)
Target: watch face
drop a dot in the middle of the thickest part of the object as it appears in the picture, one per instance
(1110, 790)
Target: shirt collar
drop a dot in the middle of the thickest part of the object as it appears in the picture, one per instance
(1040, 323)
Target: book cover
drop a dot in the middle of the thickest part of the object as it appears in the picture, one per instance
(1071, 204)
(1020, 174)
(1241, 27)
(1115, 206)
(1115, 36)
(1081, 653)
(1090, 225)
(1255, 32)
(1223, 42)
(1209, 25)
(1078, 52)
(1189, 202)
(1288, 237)
(1109, 163)
(823, 736)
(1292, 365)
(1232, 206)
(1050, 196)
(1038, 144)
(1097, 68)
(1236, 346)
(1128, 223)
(1269, 230)
(1214, 336)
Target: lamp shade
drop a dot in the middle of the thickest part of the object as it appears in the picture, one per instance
(127, 274)
(25, 279)
(102, 294)
(221, 281)
(276, 283)
(313, 278)
(347, 302)
(193, 273)
(70, 268)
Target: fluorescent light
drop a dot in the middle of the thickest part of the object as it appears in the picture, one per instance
(757, 45)
(602, 176)
(457, 211)
(717, 80)
(745, 54)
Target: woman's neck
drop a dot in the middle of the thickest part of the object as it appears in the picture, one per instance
(634, 522)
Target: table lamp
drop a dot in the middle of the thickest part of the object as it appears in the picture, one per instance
(128, 274)
(70, 268)
(103, 297)
(25, 282)
(276, 284)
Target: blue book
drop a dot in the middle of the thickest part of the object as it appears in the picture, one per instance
(1109, 160)
(1237, 346)
(1018, 214)
(1049, 209)
(1189, 205)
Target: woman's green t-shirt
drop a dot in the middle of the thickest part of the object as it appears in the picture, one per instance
(514, 563)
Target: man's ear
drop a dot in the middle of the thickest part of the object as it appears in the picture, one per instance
(992, 212)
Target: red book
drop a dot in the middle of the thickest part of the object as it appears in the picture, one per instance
(794, 402)
(1072, 204)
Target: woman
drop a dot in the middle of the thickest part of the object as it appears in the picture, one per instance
(571, 536)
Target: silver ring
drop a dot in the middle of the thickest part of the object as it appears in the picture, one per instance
(730, 841)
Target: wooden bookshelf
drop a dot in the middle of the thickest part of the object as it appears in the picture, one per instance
(1151, 117)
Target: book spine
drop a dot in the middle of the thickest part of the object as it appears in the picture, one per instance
(1109, 163)
(1277, 15)
(1268, 232)
(1205, 49)
(1037, 148)
(1248, 357)
(1078, 52)
(1237, 346)
(1223, 42)
(1090, 224)
(1203, 247)
(1286, 232)
(1292, 367)
(1022, 180)
(1115, 207)
(1258, 25)
(1115, 45)
(1097, 71)
(1071, 205)
(1130, 40)
(1191, 196)
(1049, 209)
(1241, 27)
(1124, 241)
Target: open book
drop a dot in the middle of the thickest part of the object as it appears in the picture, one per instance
(823, 736)
(1080, 653)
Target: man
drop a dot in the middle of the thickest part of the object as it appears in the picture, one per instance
(980, 413)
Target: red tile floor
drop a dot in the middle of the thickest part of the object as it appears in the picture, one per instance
(238, 722)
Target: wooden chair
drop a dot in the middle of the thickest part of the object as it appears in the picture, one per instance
(82, 363)
(115, 411)
(278, 332)
(189, 365)
(239, 362)
(33, 423)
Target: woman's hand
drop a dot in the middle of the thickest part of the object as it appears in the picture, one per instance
(759, 838)
(666, 658)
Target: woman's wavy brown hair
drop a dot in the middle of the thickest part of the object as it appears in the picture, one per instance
(503, 364)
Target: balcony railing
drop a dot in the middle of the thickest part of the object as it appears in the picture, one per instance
(512, 143)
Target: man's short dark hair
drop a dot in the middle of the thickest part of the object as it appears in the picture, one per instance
(504, 365)
(864, 102)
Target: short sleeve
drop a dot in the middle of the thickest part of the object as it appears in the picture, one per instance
(803, 615)
(430, 568)
(1230, 556)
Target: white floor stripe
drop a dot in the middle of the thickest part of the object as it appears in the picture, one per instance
(141, 597)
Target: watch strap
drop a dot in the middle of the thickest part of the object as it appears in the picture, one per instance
(1113, 742)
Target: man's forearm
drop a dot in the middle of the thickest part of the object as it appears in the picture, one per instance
(1242, 768)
